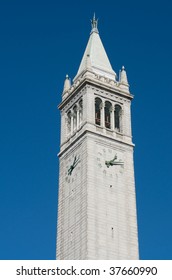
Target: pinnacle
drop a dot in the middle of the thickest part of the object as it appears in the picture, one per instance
(98, 59)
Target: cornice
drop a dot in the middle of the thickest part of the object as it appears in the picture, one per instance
(97, 81)
(89, 132)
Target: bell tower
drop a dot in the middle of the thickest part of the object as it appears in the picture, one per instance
(96, 203)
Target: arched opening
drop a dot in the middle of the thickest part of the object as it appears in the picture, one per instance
(118, 114)
(98, 103)
(108, 107)
(74, 117)
(69, 122)
(80, 111)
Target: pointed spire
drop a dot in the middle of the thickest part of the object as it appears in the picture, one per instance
(94, 23)
(123, 76)
(67, 84)
(98, 60)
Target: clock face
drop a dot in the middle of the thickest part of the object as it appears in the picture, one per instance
(109, 161)
(73, 169)
(72, 179)
(109, 178)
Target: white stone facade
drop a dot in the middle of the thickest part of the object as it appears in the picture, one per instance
(96, 203)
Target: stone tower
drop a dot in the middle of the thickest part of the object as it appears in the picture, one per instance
(96, 204)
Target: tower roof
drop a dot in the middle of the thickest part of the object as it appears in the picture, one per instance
(99, 61)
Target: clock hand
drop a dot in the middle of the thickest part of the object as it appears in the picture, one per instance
(113, 162)
(70, 170)
(75, 162)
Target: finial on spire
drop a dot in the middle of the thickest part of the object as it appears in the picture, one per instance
(94, 23)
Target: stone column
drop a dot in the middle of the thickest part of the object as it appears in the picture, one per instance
(77, 118)
(112, 117)
(103, 114)
(71, 122)
(121, 115)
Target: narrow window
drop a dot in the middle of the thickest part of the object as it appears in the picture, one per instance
(108, 107)
(98, 103)
(80, 111)
(69, 122)
(118, 113)
(74, 117)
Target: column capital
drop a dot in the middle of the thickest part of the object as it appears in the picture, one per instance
(102, 105)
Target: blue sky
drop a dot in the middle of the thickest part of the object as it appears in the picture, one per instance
(42, 41)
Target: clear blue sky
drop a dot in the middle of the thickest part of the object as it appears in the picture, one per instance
(42, 41)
